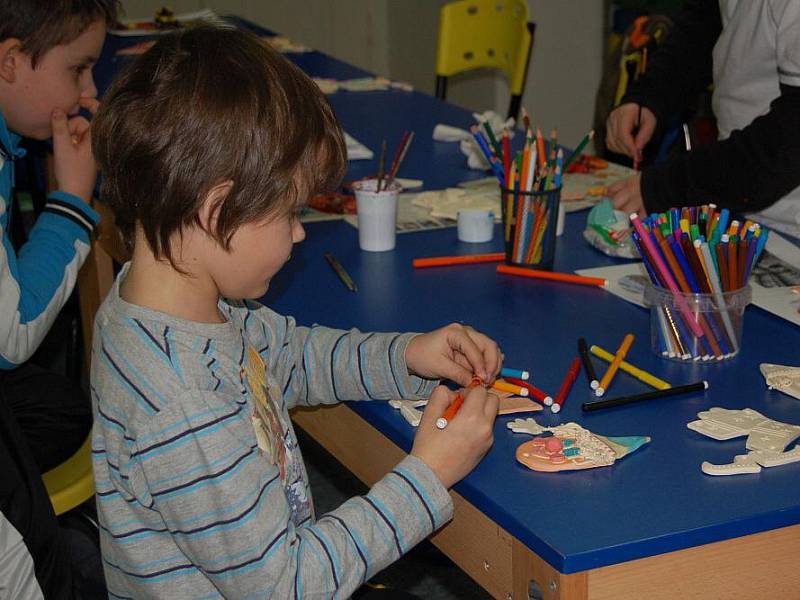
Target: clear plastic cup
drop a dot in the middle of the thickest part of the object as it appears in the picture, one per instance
(377, 214)
(696, 327)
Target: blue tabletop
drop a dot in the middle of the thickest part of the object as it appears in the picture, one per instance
(654, 501)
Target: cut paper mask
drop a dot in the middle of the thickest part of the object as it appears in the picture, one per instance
(571, 447)
(766, 439)
(509, 404)
(782, 378)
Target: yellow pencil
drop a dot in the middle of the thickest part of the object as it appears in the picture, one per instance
(641, 375)
(612, 368)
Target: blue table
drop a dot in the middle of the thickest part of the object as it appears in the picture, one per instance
(653, 525)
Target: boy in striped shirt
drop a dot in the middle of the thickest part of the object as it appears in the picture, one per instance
(210, 145)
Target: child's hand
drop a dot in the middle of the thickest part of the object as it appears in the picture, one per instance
(453, 452)
(454, 352)
(75, 171)
(626, 195)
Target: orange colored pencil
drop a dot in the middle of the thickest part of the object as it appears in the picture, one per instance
(542, 157)
(446, 261)
(551, 275)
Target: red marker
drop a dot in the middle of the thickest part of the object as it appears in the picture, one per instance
(535, 392)
(566, 385)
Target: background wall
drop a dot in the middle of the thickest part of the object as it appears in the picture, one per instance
(397, 38)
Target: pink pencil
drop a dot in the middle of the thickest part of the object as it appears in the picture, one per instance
(666, 275)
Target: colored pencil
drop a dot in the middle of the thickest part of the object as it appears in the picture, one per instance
(343, 275)
(623, 400)
(381, 164)
(577, 152)
(446, 261)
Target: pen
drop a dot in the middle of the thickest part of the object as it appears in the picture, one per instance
(339, 269)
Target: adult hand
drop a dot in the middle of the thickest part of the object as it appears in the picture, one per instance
(74, 166)
(455, 352)
(620, 127)
(454, 451)
(626, 195)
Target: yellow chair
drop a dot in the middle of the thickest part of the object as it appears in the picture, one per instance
(485, 34)
(71, 483)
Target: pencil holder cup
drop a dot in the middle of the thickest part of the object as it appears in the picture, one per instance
(377, 214)
(696, 327)
(529, 227)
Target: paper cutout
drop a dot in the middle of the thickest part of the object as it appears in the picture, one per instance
(571, 447)
(509, 404)
(284, 45)
(445, 204)
(782, 378)
(360, 84)
(766, 439)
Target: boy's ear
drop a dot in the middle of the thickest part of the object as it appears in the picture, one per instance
(10, 55)
(211, 205)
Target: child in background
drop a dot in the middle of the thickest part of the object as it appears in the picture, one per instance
(211, 144)
(47, 50)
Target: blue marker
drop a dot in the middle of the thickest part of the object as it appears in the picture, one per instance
(515, 373)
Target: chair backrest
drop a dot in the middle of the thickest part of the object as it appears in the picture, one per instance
(485, 33)
(97, 274)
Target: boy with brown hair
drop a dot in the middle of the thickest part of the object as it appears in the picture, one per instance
(210, 145)
(47, 51)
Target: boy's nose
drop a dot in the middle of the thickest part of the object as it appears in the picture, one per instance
(89, 88)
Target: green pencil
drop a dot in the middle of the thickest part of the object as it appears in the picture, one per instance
(589, 137)
(493, 140)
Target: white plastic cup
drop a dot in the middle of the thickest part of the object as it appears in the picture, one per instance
(475, 225)
(377, 215)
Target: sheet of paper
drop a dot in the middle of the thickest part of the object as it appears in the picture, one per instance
(356, 150)
(579, 192)
(411, 217)
(775, 282)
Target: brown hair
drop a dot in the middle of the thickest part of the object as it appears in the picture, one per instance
(204, 106)
(42, 24)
